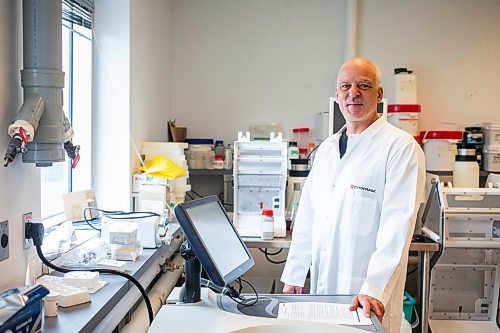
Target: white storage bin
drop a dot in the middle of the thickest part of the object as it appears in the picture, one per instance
(404, 116)
(491, 158)
(491, 134)
(440, 148)
(405, 84)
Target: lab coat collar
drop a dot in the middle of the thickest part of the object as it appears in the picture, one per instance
(371, 131)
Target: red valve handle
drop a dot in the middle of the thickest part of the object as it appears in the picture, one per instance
(23, 135)
(75, 161)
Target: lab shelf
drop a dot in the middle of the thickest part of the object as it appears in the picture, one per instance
(210, 172)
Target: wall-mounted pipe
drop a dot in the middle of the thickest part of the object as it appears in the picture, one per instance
(41, 116)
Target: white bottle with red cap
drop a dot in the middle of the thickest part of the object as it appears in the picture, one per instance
(267, 225)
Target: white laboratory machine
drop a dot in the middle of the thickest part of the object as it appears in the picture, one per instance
(465, 279)
(260, 171)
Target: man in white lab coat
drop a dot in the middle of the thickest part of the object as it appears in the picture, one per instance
(359, 204)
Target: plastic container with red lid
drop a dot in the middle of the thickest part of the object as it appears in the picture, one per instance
(404, 116)
(404, 108)
(301, 136)
(441, 135)
(440, 148)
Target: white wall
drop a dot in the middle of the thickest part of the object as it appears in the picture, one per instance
(237, 63)
(20, 182)
(111, 105)
(453, 46)
(131, 91)
(150, 78)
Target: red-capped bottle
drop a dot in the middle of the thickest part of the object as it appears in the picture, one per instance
(267, 224)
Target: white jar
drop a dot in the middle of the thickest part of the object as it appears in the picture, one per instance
(405, 83)
(267, 225)
(491, 158)
(440, 149)
(491, 134)
(292, 152)
(466, 173)
(50, 304)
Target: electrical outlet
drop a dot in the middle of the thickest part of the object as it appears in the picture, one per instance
(4, 240)
(27, 218)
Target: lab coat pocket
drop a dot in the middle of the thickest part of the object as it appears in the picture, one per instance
(360, 216)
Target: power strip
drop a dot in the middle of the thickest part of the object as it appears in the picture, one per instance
(89, 280)
(120, 266)
(68, 295)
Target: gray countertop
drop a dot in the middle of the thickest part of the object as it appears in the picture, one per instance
(86, 317)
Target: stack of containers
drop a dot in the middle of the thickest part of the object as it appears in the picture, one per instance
(440, 148)
(302, 137)
(200, 153)
(405, 117)
(175, 152)
(473, 136)
(491, 147)
(405, 111)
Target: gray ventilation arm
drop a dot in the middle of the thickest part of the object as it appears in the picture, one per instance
(42, 79)
(23, 129)
(29, 116)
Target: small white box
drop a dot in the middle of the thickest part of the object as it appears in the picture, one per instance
(85, 279)
(112, 264)
(123, 233)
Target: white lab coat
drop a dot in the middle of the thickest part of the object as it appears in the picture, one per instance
(356, 217)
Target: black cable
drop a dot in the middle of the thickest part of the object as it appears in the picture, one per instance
(266, 254)
(412, 271)
(196, 193)
(312, 151)
(271, 254)
(131, 215)
(103, 271)
(239, 299)
(87, 220)
(230, 292)
(240, 289)
(116, 215)
(190, 196)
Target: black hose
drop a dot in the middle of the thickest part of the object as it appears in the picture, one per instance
(104, 271)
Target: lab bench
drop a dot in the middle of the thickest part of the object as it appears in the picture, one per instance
(216, 313)
(111, 304)
(425, 248)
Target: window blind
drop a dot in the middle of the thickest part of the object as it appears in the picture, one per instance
(78, 12)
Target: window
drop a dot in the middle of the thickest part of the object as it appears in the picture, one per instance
(77, 66)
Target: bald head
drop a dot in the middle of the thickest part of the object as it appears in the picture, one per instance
(358, 92)
(366, 64)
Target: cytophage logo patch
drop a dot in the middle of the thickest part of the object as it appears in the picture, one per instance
(362, 188)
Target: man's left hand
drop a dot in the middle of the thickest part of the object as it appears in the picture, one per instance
(368, 303)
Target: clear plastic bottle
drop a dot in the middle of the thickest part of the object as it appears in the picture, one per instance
(466, 168)
(267, 225)
(228, 157)
(219, 148)
(293, 152)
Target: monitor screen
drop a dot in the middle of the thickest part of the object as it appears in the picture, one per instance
(337, 120)
(214, 239)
